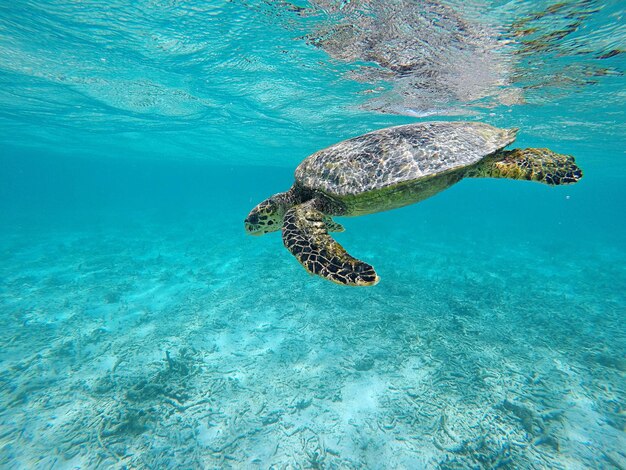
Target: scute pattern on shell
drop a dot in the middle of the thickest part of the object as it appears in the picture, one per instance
(399, 154)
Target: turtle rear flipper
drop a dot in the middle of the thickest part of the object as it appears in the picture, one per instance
(305, 235)
(542, 165)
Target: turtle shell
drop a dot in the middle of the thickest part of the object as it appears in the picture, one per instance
(395, 155)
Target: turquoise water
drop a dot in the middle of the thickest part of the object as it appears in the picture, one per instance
(141, 328)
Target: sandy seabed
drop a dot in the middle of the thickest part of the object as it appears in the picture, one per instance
(178, 346)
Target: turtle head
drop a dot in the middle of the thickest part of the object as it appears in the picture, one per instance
(267, 216)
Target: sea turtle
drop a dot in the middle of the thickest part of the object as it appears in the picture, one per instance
(386, 169)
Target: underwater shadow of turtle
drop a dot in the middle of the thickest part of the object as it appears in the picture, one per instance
(387, 169)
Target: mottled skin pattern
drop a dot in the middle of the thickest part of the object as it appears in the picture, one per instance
(386, 169)
(305, 234)
(542, 165)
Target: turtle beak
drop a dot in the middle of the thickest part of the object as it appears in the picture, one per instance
(250, 231)
(251, 228)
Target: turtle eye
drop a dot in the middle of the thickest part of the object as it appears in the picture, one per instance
(253, 219)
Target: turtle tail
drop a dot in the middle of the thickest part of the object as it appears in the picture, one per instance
(532, 164)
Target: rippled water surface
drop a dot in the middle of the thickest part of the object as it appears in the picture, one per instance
(141, 328)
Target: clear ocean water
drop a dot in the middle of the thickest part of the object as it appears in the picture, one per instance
(141, 328)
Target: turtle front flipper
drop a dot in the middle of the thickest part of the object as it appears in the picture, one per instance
(333, 226)
(305, 235)
(542, 165)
